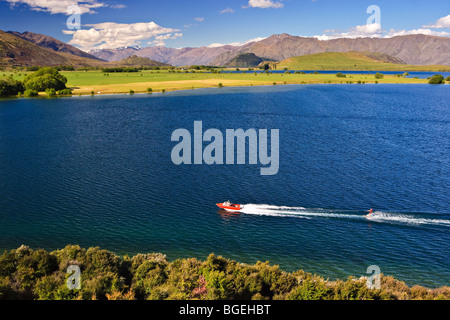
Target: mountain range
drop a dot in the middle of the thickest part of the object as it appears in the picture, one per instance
(411, 49)
(32, 49)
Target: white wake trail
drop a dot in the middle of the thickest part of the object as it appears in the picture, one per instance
(406, 219)
(298, 212)
(309, 213)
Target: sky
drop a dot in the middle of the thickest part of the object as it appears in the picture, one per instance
(102, 24)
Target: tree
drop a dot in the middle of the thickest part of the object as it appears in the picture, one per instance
(379, 75)
(436, 79)
(45, 78)
(266, 66)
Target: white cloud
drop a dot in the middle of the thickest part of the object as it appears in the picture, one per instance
(110, 35)
(199, 19)
(264, 4)
(118, 6)
(367, 30)
(61, 6)
(428, 32)
(160, 40)
(374, 31)
(227, 10)
(235, 44)
(442, 23)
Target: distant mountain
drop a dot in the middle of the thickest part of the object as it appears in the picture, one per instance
(411, 49)
(15, 51)
(176, 57)
(52, 44)
(114, 54)
(245, 60)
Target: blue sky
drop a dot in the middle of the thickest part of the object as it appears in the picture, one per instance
(183, 23)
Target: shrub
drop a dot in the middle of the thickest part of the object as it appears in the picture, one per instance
(436, 79)
(65, 92)
(340, 75)
(447, 79)
(220, 85)
(379, 75)
(50, 92)
(131, 92)
(149, 90)
(30, 93)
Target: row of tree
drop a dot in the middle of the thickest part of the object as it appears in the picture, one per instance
(101, 274)
(46, 78)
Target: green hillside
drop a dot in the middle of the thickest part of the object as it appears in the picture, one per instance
(360, 61)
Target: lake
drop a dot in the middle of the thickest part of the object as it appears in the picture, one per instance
(97, 171)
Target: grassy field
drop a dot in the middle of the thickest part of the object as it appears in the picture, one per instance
(123, 83)
(350, 61)
(85, 82)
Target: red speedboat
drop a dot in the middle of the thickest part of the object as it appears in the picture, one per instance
(227, 205)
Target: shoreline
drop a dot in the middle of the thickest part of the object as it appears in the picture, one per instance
(151, 276)
(42, 95)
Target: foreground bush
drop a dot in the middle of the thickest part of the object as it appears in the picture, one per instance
(38, 274)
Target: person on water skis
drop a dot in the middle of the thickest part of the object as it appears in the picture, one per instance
(370, 212)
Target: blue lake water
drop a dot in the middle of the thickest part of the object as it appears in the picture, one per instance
(97, 171)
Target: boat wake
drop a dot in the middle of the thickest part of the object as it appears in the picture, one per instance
(310, 213)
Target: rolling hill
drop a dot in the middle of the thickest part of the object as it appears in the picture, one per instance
(364, 61)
